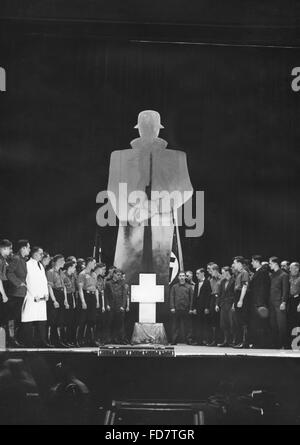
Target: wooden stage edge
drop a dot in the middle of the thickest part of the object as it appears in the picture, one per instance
(180, 351)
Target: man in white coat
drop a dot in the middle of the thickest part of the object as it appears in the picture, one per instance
(34, 313)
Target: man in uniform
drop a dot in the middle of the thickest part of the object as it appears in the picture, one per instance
(80, 265)
(115, 305)
(129, 320)
(69, 276)
(100, 271)
(110, 274)
(5, 249)
(58, 302)
(16, 275)
(241, 303)
(90, 303)
(181, 305)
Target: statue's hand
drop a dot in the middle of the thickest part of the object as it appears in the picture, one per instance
(141, 212)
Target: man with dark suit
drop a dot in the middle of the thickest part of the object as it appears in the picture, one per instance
(16, 275)
(5, 251)
(214, 312)
(259, 291)
(201, 308)
(279, 295)
(225, 302)
(294, 300)
(285, 266)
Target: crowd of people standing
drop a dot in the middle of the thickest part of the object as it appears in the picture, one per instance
(68, 302)
(56, 302)
(249, 304)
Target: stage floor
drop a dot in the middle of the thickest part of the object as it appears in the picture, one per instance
(179, 351)
(198, 351)
(169, 373)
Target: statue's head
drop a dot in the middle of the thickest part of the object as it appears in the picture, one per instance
(149, 124)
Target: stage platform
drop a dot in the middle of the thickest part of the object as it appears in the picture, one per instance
(198, 351)
(169, 373)
(180, 351)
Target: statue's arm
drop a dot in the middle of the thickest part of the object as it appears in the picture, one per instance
(114, 179)
(186, 185)
(182, 186)
(119, 198)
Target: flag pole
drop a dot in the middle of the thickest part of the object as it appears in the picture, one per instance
(97, 250)
(180, 253)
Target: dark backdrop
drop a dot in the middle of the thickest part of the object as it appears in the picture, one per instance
(71, 101)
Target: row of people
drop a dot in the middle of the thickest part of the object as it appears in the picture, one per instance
(59, 302)
(73, 303)
(240, 307)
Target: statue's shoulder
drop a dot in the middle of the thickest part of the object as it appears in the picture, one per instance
(122, 154)
(176, 154)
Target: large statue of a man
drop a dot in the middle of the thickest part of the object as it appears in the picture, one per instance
(144, 245)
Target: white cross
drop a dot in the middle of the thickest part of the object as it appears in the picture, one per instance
(147, 293)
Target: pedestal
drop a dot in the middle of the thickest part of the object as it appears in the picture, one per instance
(149, 333)
(2, 339)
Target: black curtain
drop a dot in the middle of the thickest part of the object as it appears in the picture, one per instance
(71, 101)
